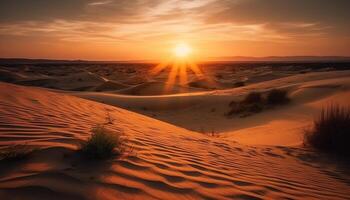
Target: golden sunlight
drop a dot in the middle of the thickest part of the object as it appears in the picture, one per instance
(182, 68)
(182, 50)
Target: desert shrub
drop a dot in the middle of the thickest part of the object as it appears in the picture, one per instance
(253, 98)
(277, 97)
(254, 108)
(331, 130)
(15, 152)
(103, 143)
(252, 103)
(235, 108)
(239, 108)
(255, 102)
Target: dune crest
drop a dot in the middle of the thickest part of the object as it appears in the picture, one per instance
(206, 111)
(168, 163)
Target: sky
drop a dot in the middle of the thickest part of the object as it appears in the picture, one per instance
(149, 29)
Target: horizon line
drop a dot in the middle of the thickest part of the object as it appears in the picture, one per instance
(212, 59)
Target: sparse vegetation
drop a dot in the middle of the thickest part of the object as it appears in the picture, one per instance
(253, 98)
(331, 130)
(244, 108)
(15, 152)
(103, 143)
(255, 102)
(252, 103)
(277, 97)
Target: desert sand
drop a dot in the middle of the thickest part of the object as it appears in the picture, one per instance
(174, 100)
(205, 111)
(184, 147)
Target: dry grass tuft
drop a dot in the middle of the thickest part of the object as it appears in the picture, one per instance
(104, 143)
(331, 130)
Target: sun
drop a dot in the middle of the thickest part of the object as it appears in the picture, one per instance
(182, 50)
(182, 68)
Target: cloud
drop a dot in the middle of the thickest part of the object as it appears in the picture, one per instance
(40, 10)
(99, 3)
(249, 11)
(113, 21)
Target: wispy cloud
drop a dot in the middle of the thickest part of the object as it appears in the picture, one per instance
(222, 21)
(99, 3)
(184, 20)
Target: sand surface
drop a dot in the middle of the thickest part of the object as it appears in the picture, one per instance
(168, 162)
(205, 112)
(147, 79)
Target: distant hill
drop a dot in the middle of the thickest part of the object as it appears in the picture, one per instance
(13, 61)
(284, 59)
(35, 61)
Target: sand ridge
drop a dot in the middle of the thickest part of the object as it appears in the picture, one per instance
(205, 111)
(169, 162)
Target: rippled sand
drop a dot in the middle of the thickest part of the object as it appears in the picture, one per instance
(167, 162)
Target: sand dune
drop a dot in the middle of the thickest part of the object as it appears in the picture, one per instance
(109, 86)
(205, 111)
(156, 88)
(8, 76)
(168, 162)
(76, 82)
(207, 84)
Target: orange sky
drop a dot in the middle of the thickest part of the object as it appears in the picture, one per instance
(149, 29)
